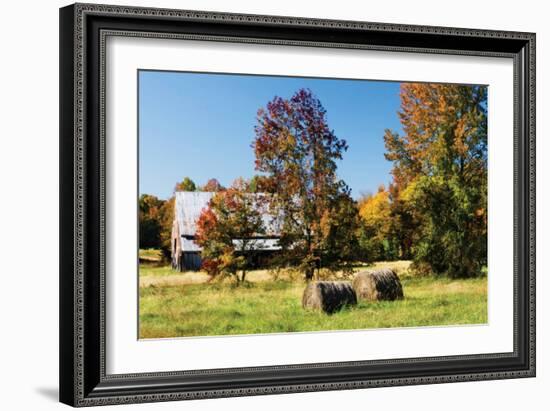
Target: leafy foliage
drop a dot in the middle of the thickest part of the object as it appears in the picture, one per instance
(374, 238)
(434, 211)
(226, 231)
(296, 153)
(149, 227)
(440, 176)
(339, 242)
(166, 220)
(212, 185)
(186, 185)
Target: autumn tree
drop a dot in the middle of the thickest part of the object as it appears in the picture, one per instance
(149, 224)
(255, 184)
(227, 231)
(212, 185)
(296, 153)
(441, 161)
(186, 185)
(375, 213)
(405, 220)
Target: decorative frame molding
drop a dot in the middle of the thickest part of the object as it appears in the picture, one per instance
(83, 32)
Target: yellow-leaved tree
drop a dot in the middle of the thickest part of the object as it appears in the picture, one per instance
(443, 155)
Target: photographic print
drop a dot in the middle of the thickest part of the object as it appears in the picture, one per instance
(281, 188)
(273, 204)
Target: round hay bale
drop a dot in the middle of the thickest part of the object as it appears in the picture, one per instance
(378, 285)
(328, 296)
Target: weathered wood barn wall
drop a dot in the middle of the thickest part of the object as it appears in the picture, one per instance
(187, 209)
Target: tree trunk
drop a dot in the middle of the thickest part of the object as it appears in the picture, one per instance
(310, 271)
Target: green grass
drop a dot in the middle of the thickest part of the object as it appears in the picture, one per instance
(186, 306)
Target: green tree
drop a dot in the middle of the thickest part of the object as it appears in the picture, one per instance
(296, 152)
(149, 221)
(405, 221)
(443, 157)
(227, 231)
(166, 221)
(340, 224)
(186, 185)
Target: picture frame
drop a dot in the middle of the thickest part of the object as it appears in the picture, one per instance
(84, 380)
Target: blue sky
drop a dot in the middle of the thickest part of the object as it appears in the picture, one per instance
(202, 126)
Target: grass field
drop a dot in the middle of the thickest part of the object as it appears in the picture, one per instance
(182, 304)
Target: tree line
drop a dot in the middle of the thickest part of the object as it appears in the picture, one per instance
(433, 212)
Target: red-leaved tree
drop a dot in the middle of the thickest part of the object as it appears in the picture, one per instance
(212, 185)
(296, 152)
(227, 231)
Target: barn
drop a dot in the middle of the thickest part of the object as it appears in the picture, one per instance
(186, 254)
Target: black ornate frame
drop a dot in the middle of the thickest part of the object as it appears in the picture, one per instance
(83, 30)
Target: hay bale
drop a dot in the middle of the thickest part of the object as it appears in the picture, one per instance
(377, 285)
(328, 296)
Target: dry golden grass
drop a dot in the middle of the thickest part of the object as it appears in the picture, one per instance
(173, 280)
(165, 276)
(402, 268)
